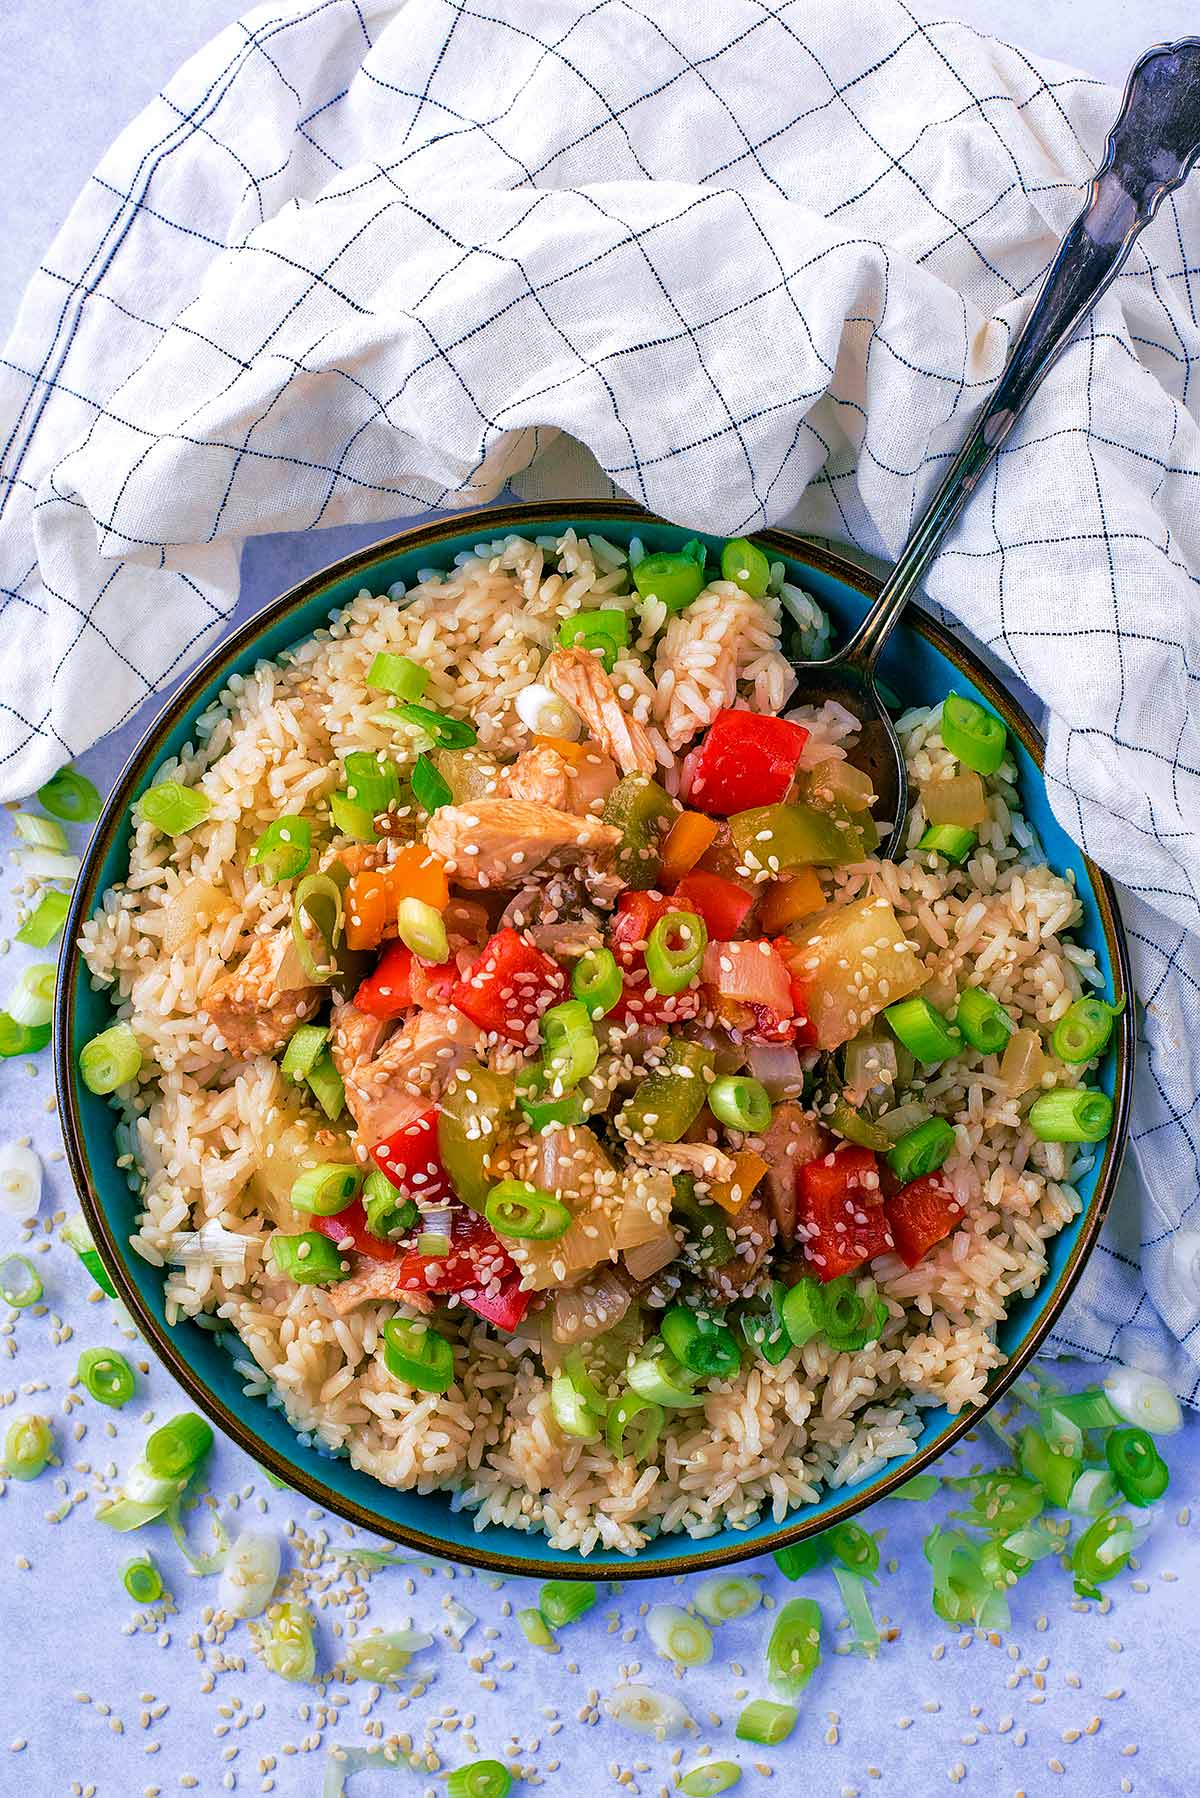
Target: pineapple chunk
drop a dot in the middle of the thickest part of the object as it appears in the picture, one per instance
(849, 964)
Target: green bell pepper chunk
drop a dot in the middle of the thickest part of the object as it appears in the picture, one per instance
(785, 837)
(642, 811)
(668, 1101)
(474, 1113)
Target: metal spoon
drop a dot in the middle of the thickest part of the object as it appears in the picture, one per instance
(1150, 150)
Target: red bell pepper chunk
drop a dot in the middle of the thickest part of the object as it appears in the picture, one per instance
(505, 1307)
(922, 1213)
(723, 904)
(352, 1223)
(744, 760)
(411, 1161)
(509, 987)
(789, 953)
(476, 1260)
(635, 917)
(389, 990)
(840, 1213)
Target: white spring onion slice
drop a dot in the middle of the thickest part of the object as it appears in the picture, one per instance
(647, 1712)
(545, 714)
(40, 833)
(678, 1637)
(459, 1621)
(20, 1180)
(47, 864)
(145, 1488)
(721, 1599)
(1144, 1399)
(1093, 1492)
(343, 1763)
(250, 1573)
(212, 1245)
(32, 999)
(381, 1656)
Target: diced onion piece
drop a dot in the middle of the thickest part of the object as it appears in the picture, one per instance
(212, 1245)
(751, 972)
(959, 800)
(727, 1596)
(777, 1067)
(249, 1575)
(32, 999)
(647, 1712)
(1023, 1062)
(1144, 1399)
(196, 905)
(545, 714)
(648, 1258)
(20, 1180)
(685, 1640)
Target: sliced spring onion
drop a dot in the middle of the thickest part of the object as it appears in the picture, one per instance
(606, 630)
(176, 1449)
(976, 737)
(447, 733)
(762, 1326)
(380, 1657)
(372, 781)
(1136, 1464)
(142, 1580)
(675, 951)
(960, 1587)
(283, 850)
(1006, 1501)
(564, 1601)
(647, 1712)
(431, 790)
(44, 924)
(922, 1150)
(423, 930)
(709, 1778)
(479, 1779)
(20, 1180)
(388, 1213)
(766, 1723)
(305, 1046)
(398, 676)
(1093, 1493)
(741, 1102)
(1055, 1473)
(952, 841)
(287, 1646)
(984, 1022)
(724, 1598)
(545, 713)
(657, 1375)
(414, 1353)
(794, 1648)
(855, 1548)
(20, 1285)
(675, 579)
(110, 1060)
(805, 1313)
(250, 1573)
(1087, 1410)
(533, 1089)
(1144, 1399)
(535, 1629)
(202, 1563)
(47, 864)
(923, 1031)
(173, 808)
(646, 1413)
(1101, 1552)
(27, 1446)
(1084, 1029)
(1071, 1114)
(570, 1409)
(433, 1244)
(325, 1084)
(745, 564)
(32, 1001)
(326, 1189)
(107, 1376)
(71, 796)
(864, 1629)
(596, 981)
(872, 1315)
(77, 1236)
(40, 833)
(570, 1049)
(350, 819)
(317, 904)
(700, 1342)
(1062, 1432)
(678, 1637)
(515, 1208)
(920, 1489)
(799, 1558)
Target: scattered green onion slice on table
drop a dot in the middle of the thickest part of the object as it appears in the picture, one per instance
(709, 1778)
(32, 1000)
(77, 1236)
(1084, 1029)
(447, 733)
(28, 1446)
(20, 1284)
(142, 1580)
(952, 841)
(350, 819)
(414, 1353)
(672, 577)
(326, 1189)
(794, 1648)
(700, 1342)
(1087, 1410)
(398, 676)
(1055, 1473)
(565, 1601)
(921, 1151)
(1144, 1399)
(919, 1490)
(923, 1031)
(646, 1416)
(1071, 1114)
(107, 1376)
(596, 981)
(173, 808)
(679, 1637)
(288, 1647)
(534, 1628)
(110, 1060)
(766, 1723)
(984, 1022)
(727, 1596)
(372, 780)
(743, 563)
(40, 833)
(387, 1211)
(973, 736)
(431, 790)
(515, 1208)
(283, 850)
(174, 1449)
(863, 1627)
(741, 1102)
(44, 924)
(422, 929)
(479, 1779)
(1101, 1552)
(855, 1548)
(675, 951)
(380, 1656)
(71, 796)
(1093, 1493)
(309, 1259)
(1136, 1464)
(21, 1039)
(570, 1049)
(304, 1049)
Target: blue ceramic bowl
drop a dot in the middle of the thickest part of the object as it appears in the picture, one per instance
(922, 663)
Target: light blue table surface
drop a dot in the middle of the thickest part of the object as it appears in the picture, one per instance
(99, 1699)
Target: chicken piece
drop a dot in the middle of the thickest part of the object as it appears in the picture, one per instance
(405, 1078)
(703, 1160)
(752, 1237)
(578, 677)
(538, 774)
(256, 1005)
(355, 1037)
(794, 1138)
(494, 842)
(374, 1280)
(356, 857)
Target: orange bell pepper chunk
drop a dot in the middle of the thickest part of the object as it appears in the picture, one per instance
(786, 901)
(570, 752)
(733, 1195)
(417, 873)
(373, 896)
(686, 841)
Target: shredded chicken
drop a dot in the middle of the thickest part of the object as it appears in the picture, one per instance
(578, 677)
(793, 1139)
(538, 774)
(405, 1078)
(701, 1159)
(494, 842)
(354, 1038)
(258, 1004)
(374, 1280)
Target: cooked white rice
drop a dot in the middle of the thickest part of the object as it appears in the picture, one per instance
(197, 1131)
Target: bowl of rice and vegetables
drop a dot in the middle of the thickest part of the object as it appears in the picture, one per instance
(514, 1094)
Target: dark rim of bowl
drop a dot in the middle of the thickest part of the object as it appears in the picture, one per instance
(493, 523)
